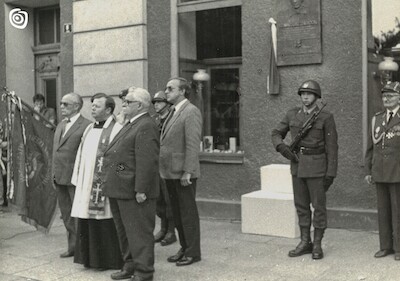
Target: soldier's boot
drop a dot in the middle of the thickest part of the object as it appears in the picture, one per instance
(161, 234)
(317, 252)
(305, 246)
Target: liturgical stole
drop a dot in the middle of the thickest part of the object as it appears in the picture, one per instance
(97, 198)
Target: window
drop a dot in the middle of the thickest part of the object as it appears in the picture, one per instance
(211, 39)
(47, 26)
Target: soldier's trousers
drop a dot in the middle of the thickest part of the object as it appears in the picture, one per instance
(388, 195)
(164, 209)
(310, 191)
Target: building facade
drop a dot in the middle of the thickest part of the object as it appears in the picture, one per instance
(90, 46)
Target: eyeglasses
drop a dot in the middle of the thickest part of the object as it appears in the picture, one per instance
(65, 103)
(170, 89)
(128, 102)
(389, 96)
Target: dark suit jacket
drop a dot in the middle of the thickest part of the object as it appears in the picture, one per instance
(65, 148)
(322, 135)
(382, 159)
(131, 160)
(180, 143)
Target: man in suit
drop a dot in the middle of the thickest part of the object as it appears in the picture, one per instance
(180, 167)
(67, 138)
(382, 163)
(131, 182)
(313, 167)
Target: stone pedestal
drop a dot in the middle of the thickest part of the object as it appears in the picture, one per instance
(271, 211)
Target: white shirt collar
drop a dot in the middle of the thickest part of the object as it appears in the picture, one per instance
(394, 110)
(137, 116)
(179, 105)
(74, 118)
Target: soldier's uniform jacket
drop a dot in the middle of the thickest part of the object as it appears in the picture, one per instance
(382, 159)
(318, 156)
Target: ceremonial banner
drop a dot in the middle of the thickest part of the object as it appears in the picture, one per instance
(32, 189)
(273, 80)
(3, 138)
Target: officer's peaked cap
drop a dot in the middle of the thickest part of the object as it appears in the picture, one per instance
(392, 87)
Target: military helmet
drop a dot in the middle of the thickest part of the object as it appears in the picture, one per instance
(310, 86)
(159, 97)
(392, 87)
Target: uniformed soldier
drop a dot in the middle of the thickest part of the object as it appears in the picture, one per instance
(383, 168)
(166, 235)
(313, 167)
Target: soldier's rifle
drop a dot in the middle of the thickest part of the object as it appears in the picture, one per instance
(294, 146)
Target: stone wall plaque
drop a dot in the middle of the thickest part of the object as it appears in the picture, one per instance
(299, 32)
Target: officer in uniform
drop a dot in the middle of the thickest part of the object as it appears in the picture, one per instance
(313, 168)
(166, 235)
(383, 168)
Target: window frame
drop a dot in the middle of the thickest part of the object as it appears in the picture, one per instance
(37, 30)
(178, 7)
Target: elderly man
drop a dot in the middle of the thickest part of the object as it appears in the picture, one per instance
(97, 241)
(382, 163)
(67, 138)
(131, 182)
(180, 167)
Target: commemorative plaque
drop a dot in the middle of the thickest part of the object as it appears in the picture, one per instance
(299, 32)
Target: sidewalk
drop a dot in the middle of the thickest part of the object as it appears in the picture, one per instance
(227, 255)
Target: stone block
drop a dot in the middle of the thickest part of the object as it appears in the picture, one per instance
(269, 213)
(107, 46)
(109, 78)
(276, 178)
(103, 14)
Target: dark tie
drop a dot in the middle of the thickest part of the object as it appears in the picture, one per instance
(64, 125)
(390, 116)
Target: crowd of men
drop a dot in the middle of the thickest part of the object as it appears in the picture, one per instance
(114, 175)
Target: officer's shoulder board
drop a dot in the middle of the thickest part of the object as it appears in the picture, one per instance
(379, 113)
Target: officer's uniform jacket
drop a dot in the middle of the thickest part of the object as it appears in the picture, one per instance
(321, 137)
(382, 159)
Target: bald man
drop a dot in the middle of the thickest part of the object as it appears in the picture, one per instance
(67, 138)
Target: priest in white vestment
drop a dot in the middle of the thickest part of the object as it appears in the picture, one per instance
(97, 243)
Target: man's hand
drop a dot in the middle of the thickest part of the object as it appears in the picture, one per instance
(185, 179)
(368, 179)
(140, 197)
(328, 182)
(285, 151)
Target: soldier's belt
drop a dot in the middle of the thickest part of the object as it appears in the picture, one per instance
(311, 151)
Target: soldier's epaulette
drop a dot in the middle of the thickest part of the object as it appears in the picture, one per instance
(379, 113)
(296, 109)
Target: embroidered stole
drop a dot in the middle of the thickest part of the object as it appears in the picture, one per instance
(97, 199)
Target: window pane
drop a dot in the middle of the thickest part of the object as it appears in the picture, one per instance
(58, 25)
(46, 26)
(51, 93)
(219, 33)
(224, 107)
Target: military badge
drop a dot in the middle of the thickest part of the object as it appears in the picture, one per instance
(389, 135)
(377, 130)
